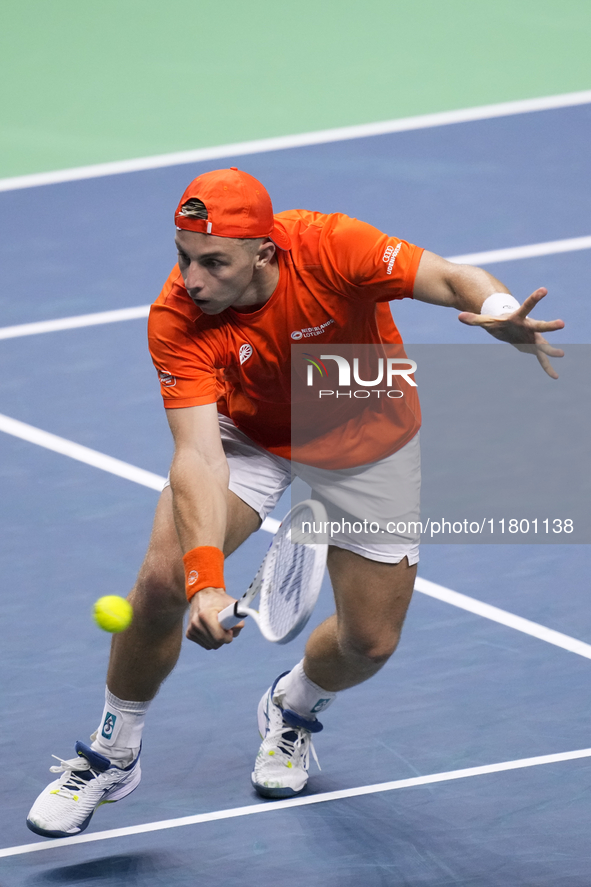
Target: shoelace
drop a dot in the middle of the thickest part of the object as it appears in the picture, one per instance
(300, 745)
(72, 782)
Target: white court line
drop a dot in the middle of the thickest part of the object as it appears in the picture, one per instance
(510, 254)
(494, 255)
(70, 323)
(503, 617)
(156, 482)
(305, 801)
(257, 146)
(80, 453)
(94, 458)
(270, 525)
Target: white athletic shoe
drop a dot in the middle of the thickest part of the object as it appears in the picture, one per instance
(66, 806)
(281, 766)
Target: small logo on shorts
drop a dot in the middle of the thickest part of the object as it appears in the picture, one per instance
(109, 725)
(192, 577)
(166, 379)
(245, 352)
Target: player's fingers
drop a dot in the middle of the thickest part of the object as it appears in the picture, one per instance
(539, 351)
(546, 365)
(530, 303)
(217, 634)
(475, 319)
(542, 347)
(540, 344)
(550, 350)
(204, 640)
(198, 638)
(207, 632)
(196, 634)
(545, 326)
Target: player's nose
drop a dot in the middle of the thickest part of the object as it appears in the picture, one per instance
(193, 278)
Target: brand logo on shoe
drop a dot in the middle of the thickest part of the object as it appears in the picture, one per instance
(192, 577)
(109, 725)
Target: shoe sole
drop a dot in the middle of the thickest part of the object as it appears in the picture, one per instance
(275, 793)
(117, 794)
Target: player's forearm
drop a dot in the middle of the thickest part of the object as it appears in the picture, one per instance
(469, 287)
(462, 287)
(199, 500)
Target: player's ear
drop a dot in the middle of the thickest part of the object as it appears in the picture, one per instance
(265, 253)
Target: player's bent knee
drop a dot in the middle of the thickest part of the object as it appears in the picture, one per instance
(374, 651)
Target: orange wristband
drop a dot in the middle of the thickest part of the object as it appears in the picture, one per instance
(204, 568)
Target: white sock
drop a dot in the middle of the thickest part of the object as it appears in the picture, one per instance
(119, 734)
(297, 692)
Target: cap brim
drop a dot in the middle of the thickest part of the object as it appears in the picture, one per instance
(279, 236)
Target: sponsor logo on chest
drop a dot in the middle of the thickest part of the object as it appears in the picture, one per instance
(311, 331)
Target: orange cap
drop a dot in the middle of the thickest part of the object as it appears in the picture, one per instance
(237, 206)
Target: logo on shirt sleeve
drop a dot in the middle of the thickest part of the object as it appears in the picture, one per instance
(244, 352)
(166, 379)
(389, 256)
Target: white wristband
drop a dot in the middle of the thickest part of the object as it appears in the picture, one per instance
(499, 303)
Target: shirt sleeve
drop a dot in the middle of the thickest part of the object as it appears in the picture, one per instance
(365, 262)
(184, 359)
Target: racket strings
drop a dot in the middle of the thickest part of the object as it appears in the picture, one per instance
(288, 582)
(292, 575)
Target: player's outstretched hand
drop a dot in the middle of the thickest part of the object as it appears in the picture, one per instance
(521, 331)
(204, 627)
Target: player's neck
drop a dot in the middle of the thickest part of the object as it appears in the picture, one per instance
(260, 290)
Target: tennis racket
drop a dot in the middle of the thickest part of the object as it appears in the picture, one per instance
(288, 580)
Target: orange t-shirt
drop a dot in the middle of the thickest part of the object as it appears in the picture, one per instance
(333, 287)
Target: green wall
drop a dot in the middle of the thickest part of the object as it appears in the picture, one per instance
(84, 82)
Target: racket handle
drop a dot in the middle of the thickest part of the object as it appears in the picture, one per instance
(228, 618)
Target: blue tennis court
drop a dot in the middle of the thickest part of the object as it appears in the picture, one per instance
(392, 805)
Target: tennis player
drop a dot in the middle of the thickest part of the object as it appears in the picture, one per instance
(247, 285)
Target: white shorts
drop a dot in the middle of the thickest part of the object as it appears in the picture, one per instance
(388, 491)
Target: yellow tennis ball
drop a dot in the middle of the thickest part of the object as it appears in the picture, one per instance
(112, 613)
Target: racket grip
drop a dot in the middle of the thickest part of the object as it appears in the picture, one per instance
(228, 618)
